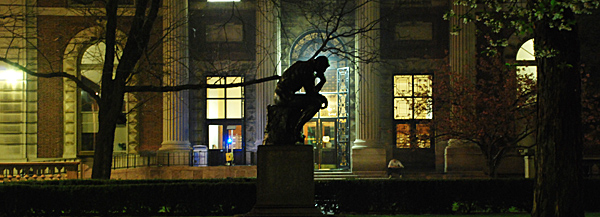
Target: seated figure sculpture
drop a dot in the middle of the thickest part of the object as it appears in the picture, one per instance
(292, 110)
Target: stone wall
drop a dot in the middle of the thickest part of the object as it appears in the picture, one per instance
(185, 172)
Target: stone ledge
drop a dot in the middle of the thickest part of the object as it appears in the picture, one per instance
(185, 172)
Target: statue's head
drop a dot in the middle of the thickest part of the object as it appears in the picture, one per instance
(321, 63)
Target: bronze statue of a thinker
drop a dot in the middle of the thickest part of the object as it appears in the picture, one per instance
(292, 110)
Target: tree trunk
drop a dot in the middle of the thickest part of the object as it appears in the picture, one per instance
(112, 92)
(108, 116)
(558, 157)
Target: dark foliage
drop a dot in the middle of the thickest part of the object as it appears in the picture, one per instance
(237, 196)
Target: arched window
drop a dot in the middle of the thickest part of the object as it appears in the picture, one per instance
(90, 70)
(526, 60)
(527, 70)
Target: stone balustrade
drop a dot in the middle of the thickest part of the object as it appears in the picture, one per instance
(25, 171)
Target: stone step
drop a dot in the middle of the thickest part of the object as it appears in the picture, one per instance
(349, 175)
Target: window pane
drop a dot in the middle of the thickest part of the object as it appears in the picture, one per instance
(342, 105)
(87, 141)
(526, 52)
(234, 92)
(423, 132)
(402, 85)
(234, 80)
(234, 136)
(215, 80)
(94, 54)
(402, 136)
(423, 85)
(120, 139)
(331, 84)
(331, 110)
(342, 86)
(423, 108)
(215, 93)
(215, 135)
(234, 108)
(528, 71)
(94, 75)
(89, 122)
(402, 108)
(215, 109)
(87, 103)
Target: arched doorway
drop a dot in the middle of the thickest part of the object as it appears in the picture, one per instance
(329, 131)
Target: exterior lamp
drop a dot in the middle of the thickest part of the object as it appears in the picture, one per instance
(10, 76)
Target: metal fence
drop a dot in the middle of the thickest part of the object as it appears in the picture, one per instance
(178, 158)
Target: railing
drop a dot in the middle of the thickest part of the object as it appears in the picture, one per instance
(178, 158)
(38, 171)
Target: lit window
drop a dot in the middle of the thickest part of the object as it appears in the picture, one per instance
(90, 69)
(413, 110)
(224, 103)
(526, 69)
(412, 97)
(526, 59)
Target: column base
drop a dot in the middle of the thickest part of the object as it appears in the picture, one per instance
(175, 153)
(175, 146)
(367, 157)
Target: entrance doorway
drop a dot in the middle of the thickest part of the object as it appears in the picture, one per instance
(321, 134)
(225, 144)
(328, 131)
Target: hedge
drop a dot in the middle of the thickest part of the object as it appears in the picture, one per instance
(237, 196)
(108, 198)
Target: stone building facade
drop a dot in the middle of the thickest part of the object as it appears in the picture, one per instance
(231, 42)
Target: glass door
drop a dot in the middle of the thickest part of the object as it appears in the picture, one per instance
(225, 144)
(328, 131)
(321, 134)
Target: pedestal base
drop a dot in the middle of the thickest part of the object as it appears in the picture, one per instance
(369, 159)
(285, 182)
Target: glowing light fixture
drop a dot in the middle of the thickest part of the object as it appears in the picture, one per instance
(10, 75)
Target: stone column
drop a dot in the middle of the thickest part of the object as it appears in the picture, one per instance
(462, 61)
(267, 62)
(462, 45)
(367, 152)
(176, 66)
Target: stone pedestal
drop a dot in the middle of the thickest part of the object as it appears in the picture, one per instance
(285, 182)
(462, 156)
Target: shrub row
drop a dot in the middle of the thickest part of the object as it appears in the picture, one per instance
(437, 196)
(236, 196)
(127, 198)
(426, 196)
